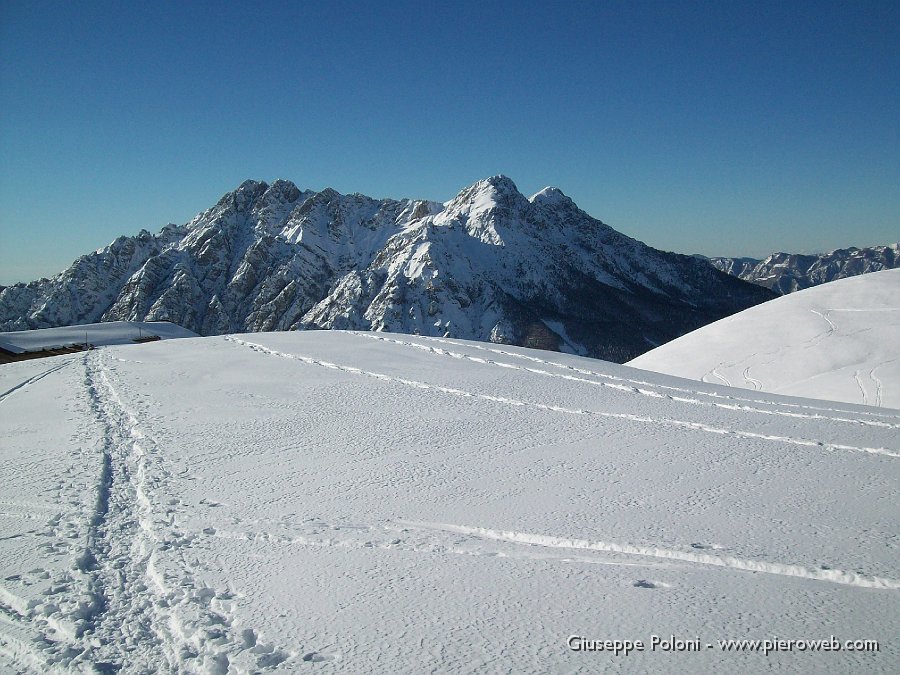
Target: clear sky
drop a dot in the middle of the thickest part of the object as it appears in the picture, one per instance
(723, 128)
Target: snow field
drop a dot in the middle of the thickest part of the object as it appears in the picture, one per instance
(372, 502)
(838, 341)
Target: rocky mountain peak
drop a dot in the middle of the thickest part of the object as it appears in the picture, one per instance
(551, 196)
(283, 191)
(500, 184)
(488, 265)
(485, 197)
(329, 194)
(250, 190)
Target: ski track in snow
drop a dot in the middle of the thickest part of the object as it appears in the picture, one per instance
(715, 373)
(697, 426)
(757, 385)
(395, 535)
(862, 388)
(17, 640)
(878, 386)
(831, 326)
(45, 633)
(780, 404)
(827, 333)
(34, 378)
(630, 388)
(832, 575)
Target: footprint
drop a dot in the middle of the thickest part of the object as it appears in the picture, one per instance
(320, 657)
(248, 638)
(216, 664)
(269, 656)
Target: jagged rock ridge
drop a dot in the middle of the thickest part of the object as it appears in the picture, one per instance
(789, 272)
(489, 264)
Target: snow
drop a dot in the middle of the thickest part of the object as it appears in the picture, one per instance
(550, 195)
(372, 502)
(97, 334)
(568, 345)
(839, 341)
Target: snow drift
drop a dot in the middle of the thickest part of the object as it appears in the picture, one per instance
(839, 341)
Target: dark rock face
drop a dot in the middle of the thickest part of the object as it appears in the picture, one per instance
(789, 272)
(490, 264)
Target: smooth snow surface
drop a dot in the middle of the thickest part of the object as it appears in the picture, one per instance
(839, 341)
(368, 502)
(97, 334)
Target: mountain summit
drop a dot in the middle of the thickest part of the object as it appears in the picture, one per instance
(490, 264)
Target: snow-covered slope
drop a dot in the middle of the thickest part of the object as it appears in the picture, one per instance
(840, 341)
(95, 334)
(368, 502)
(489, 264)
(789, 272)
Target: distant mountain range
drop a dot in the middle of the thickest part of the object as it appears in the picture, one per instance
(489, 264)
(789, 272)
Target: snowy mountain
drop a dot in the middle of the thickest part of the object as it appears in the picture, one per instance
(490, 264)
(789, 272)
(238, 504)
(839, 341)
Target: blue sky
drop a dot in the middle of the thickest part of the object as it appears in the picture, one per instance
(720, 128)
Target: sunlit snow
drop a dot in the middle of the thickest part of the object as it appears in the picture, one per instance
(838, 341)
(369, 502)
